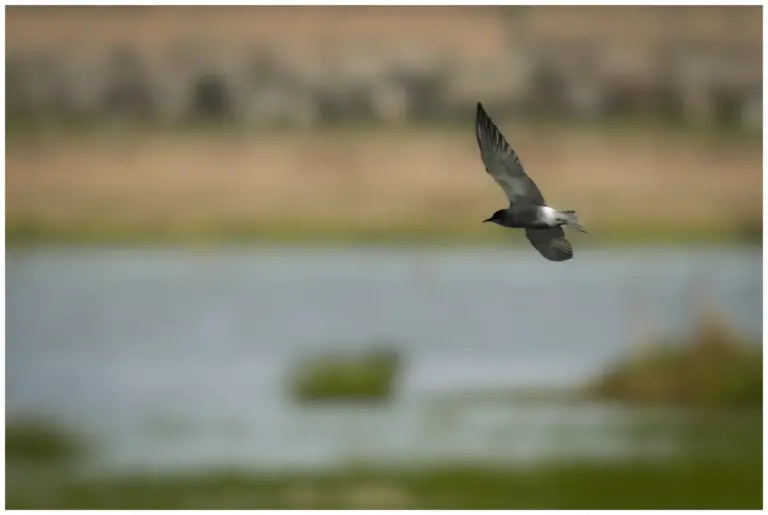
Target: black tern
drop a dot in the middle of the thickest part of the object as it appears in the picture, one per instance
(527, 209)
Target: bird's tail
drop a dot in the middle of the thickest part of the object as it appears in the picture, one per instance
(571, 220)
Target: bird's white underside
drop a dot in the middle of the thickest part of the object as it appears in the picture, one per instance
(549, 215)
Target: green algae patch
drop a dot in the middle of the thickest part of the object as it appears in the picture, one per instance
(368, 376)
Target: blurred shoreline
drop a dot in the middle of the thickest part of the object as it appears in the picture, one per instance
(716, 463)
(716, 482)
(30, 233)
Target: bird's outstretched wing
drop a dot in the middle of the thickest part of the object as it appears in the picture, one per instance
(551, 243)
(502, 163)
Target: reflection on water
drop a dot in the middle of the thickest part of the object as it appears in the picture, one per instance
(177, 357)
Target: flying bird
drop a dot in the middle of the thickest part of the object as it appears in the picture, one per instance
(527, 209)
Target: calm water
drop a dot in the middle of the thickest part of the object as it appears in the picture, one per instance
(179, 357)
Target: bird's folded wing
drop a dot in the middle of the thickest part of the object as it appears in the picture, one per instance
(551, 243)
(501, 162)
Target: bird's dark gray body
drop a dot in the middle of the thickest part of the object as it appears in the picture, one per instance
(520, 216)
(527, 208)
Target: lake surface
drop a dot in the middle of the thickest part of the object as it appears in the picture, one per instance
(179, 357)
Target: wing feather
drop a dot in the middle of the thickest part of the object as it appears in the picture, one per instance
(551, 243)
(502, 162)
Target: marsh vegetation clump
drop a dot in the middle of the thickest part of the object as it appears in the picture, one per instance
(361, 377)
(713, 368)
(40, 441)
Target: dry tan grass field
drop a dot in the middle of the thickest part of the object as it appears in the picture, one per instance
(388, 180)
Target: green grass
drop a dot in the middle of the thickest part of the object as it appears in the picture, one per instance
(718, 466)
(673, 484)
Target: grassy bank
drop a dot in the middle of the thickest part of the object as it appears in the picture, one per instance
(718, 466)
(676, 484)
(24, 232)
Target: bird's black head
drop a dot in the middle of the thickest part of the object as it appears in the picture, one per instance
(497, 217)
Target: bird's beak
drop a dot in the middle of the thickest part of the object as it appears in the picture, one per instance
(488, 220)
